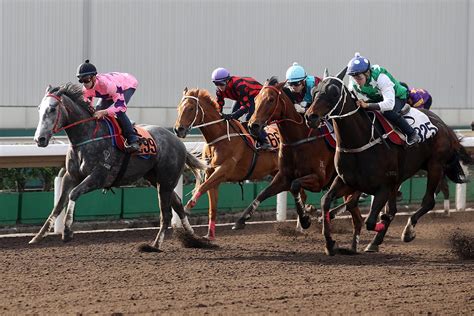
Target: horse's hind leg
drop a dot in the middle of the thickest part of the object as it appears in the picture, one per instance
(443, 187)
(67, 185)
(352, 202)
(165, 196)
(177, 205)
(435, 173)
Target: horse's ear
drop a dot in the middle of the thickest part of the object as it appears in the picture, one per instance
(48, 88)
(342, 73)
(185, 90)
(280, 85)
(326, 73)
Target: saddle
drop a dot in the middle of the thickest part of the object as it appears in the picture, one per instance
(417, 119)
(148, 146)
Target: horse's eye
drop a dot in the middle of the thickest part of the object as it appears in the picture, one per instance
(52, 109)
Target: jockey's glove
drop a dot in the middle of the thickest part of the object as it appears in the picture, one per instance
(300, 107)
(237, 114)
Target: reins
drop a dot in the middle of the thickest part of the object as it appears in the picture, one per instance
(56, 130)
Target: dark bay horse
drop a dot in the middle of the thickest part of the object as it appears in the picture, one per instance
(230, 154)
(363, 163)
(305, 160)
(92, 162)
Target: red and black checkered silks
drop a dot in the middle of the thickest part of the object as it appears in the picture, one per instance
(240, 89)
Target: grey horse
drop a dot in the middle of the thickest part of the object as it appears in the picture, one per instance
(92, 162)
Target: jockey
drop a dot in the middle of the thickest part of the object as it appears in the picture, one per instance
(243, 91)
(384, 92)
(300, 86)
(114, 90)
(418, 98)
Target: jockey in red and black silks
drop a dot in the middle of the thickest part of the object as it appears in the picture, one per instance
(243, 91)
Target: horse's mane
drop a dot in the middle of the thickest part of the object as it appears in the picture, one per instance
(72, 91)
(205, 96)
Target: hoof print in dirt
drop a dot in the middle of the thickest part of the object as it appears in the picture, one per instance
(147, 248)
(189, 240)
(462, 245)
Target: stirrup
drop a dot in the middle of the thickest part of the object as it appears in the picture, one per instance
(133, 147)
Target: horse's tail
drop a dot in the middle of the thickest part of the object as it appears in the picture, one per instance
(454, 170)
(196, 165)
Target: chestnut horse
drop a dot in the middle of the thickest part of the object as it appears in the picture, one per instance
(306, 161)
(365, 164)
(232, 156)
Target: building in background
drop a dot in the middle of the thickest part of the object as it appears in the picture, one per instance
(172, 44)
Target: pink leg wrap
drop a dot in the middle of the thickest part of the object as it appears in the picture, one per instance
(212, 229)
(328, 216)
(379, 227)
(196, 196)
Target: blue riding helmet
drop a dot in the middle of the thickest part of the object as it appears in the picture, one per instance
(220, 74)
(295, 73)
(357, 65)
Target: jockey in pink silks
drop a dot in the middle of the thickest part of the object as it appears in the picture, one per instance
(114, 89)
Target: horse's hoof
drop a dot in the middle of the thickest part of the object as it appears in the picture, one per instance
(240, 224)
(35, 240)
(372, 248)
(305, 221)
(406, 237)
(409, 232)
(330, 248)
(209, 237)
(67, 235)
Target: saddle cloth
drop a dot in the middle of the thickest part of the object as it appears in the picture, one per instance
(148, 146)
(417, 119)
(273, 134)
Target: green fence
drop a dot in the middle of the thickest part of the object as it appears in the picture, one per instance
(126, 203)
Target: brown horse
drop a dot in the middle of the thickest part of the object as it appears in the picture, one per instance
(232, 156)
(306, 161)
(365, 164)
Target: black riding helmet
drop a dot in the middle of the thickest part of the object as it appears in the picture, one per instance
(86, 69)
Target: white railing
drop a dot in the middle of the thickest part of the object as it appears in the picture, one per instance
(28, 156)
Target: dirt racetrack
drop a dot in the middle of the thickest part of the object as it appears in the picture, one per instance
(257, 271)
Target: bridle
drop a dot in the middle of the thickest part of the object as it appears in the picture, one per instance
(228, 135)
(58, 116)
(343, 98)
(269, 119)
(58, 119)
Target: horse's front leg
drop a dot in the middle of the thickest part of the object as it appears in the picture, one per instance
(219, 175)
(66, 186)
(386, 219)
(310, 182)
(380, 199)
(338, 189)
(279, 184)
(90, 183)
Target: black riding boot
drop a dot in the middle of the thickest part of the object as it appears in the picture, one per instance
(128, 132)
(412, 136)
(262, 141)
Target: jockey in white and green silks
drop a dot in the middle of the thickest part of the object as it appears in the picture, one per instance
(383, 91)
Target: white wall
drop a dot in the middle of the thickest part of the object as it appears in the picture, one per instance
(169, 45)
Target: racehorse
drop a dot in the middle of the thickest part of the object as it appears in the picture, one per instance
(92, 161)
(305, 160)
(365, 164)
(232, 156)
